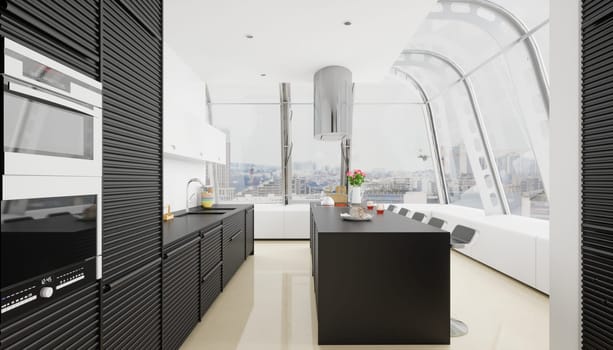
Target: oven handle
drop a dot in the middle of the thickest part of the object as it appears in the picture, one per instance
(36, 93)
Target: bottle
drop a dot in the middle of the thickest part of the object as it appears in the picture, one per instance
(207, 198)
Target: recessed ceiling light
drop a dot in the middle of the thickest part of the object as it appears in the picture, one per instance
(262, 74)
(248, 36)
(347, 23)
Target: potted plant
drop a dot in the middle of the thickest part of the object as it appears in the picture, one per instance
(355, 179)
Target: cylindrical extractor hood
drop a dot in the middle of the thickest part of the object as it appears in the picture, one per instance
(333, 103)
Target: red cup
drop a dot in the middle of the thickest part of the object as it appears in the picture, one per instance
(380, 209)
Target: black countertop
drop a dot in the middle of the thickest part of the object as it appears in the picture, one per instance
(328, 220)
(183, 226)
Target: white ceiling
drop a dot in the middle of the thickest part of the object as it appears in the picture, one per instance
(292, 39)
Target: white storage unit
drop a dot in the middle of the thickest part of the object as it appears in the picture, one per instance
(187, 135)
(514, 245)
(277, 221)
(214, 145)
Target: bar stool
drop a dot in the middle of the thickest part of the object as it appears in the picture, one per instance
(460, 237)
(418, 216)
(436, 222)
(391, 207)
(403, 211)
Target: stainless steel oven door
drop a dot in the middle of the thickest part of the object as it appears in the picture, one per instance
(35, 201)
(45, 134)
(52, 116)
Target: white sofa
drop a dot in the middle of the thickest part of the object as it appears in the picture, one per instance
(514, 245)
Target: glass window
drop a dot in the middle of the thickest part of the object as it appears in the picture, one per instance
(453, 113)
(390, 143)
(315, 164)
(252, 172)
(514, 114)
(510, 96)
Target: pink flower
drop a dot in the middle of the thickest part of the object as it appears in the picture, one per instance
(350, 173)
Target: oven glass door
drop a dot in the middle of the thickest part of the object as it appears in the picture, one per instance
(37, 127)
(43, 234)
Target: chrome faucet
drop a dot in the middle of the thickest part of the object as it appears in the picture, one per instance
(187, 197)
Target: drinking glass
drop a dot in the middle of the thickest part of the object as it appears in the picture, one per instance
(380, 209)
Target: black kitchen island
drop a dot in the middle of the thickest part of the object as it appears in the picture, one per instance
(384, 281)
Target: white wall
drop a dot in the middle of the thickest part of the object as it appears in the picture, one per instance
(176, 174)
(187, 115)
(565, 194)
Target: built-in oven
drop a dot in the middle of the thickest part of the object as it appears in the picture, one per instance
(50, 241)
(52, 116)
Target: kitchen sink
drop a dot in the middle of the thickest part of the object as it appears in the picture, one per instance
(207, 212)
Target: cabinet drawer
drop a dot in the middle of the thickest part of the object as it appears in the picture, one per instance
(232, 225)
(180, 293)
(210, 288)
(210, 250)
(233, 255)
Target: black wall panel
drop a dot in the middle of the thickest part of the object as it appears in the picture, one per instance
(597, 173)
(69, 323)
(67, 31)
(132, 174)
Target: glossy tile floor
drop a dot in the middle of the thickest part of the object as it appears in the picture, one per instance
(269, 304)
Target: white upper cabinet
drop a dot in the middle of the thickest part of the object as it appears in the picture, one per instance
(214, 145)
(186, 132)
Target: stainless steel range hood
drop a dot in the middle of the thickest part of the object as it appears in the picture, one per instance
(333, 103)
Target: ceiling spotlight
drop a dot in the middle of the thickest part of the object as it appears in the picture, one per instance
(248, 36)
(347, 23)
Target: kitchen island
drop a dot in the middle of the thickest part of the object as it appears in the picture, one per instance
(384, 281)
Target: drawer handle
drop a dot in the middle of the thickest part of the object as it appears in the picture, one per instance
(236, 235)
(107, 287)
(212, 270)
(211, 231)
(174, 251)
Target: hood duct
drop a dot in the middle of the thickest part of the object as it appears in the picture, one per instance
(333, 103)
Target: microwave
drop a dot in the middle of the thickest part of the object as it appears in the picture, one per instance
(50, 240)
(52, 116)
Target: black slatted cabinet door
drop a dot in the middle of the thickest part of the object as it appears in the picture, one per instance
(597, 175)
(67, 31)
(181, 293)
(210, 267)
(132, 174)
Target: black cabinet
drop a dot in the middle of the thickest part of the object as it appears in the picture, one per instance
(210, 267)
(233, 245)
(596, 175)
(249, 231)
(180, 292)
(131, 74)
(132, 309)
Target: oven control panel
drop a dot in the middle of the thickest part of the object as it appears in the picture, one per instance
(29, 295)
